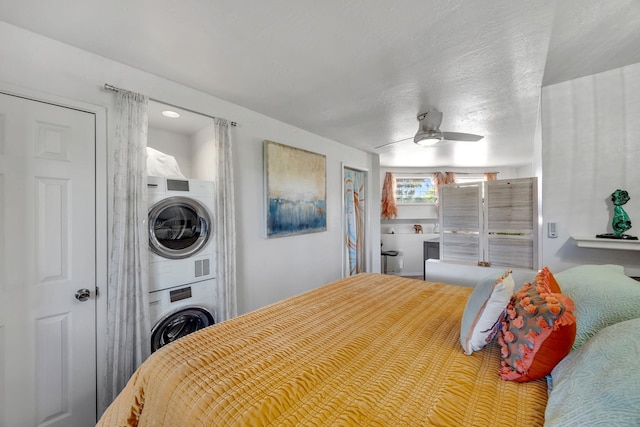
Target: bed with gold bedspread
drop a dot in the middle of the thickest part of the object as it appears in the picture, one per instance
(371, 349)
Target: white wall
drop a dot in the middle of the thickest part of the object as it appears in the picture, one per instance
(504, 172)
(590, 148)
(203, 153)
(268, 270)
(176, 145)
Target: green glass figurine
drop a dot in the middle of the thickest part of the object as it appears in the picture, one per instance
(621, 221)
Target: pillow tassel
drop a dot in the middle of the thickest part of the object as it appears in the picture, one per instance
(567, 318)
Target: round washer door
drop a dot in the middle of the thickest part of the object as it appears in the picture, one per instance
(178, 324)
(178, 227)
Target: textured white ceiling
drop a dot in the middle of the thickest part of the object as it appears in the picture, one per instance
(360, 71)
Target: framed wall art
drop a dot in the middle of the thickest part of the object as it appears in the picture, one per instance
(295, 190)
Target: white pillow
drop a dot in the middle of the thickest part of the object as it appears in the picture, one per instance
(603, 296)
(597, 384)
(484, 307)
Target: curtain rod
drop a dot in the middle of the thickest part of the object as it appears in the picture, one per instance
(107, 86)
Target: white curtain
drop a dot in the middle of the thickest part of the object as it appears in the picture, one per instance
(128, 324)
(224, 228)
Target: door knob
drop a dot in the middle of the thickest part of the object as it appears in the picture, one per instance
(83, 294)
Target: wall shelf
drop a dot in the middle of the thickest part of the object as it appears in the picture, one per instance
(596, 243)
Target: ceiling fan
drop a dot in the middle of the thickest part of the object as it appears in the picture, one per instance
(429, 132)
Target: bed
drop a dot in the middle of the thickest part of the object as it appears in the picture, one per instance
(368, 350)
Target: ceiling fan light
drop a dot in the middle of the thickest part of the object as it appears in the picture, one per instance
(428, 138)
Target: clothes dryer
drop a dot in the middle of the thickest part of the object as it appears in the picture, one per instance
(181, 247)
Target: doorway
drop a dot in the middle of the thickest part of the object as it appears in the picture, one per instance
(354, 184)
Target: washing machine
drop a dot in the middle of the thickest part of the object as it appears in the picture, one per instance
(182, 282)
(181, 249)
(179, 311)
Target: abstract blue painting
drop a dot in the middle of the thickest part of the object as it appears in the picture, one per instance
(296, 190)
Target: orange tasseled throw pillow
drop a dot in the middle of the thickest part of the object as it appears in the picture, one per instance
(546, 276)
(538, 330)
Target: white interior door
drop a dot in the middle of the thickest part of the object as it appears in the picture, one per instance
(47, 253)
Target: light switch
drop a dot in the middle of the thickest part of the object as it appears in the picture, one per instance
(552, 229)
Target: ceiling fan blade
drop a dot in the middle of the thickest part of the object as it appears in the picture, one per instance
(457, 136)
(391, 143)
(432, 120)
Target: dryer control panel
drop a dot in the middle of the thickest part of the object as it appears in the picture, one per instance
(180, 294)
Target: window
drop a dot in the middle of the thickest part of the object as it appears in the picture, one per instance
(415, 189)
(465, 178)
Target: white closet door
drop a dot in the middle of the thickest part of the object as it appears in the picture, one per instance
(47, 254)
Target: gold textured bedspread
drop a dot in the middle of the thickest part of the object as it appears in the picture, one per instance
(370, 350)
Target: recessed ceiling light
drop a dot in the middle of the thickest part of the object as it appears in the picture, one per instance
(171, 114)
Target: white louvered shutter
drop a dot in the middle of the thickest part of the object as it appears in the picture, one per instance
(461, 222)
(501, 229)
(511, 222)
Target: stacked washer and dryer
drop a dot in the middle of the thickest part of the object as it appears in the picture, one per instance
(182, 285)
